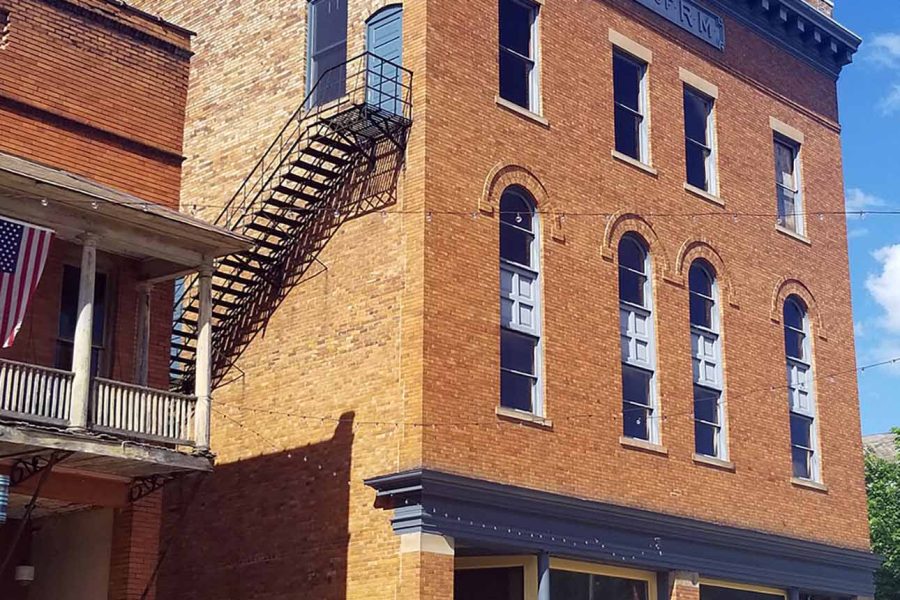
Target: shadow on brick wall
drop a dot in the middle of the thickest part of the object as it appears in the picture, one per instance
(271, 527)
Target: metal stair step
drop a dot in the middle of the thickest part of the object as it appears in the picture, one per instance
(300, 210)
(195, 310)
(183, 347)
(223, 289)
(324, 140)
(312, 168)
(268, 230)
(234, 277)
(284, 219)
(321, 155)
(181, 359)
(243, 266)
(266, 244)
(287, 191)
(305, 180)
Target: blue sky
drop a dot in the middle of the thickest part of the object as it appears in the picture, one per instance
(870, 115)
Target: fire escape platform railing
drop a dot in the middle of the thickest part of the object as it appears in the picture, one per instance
(291, 199)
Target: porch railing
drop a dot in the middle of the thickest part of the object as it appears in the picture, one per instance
(141, 412)
(43, 396)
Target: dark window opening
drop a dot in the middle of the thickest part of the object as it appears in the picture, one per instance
(517, 56)
(698, 147)
(628, 81)
(327, 50)
(4, 28)
(506, 583)
(709, 592)
(568, 585)
(68, 318)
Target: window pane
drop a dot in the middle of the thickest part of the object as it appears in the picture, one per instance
(517, 352)
(801, 431)
(515, 210)
(794, 315)
(329, 75)
(489, 584)
(696, 117)
(634, 421)
(515, 26)
(566, 585)
(700, 280)
(515, 73)
(628, 133)
(696, 162)
(787, 208)
(627, 82)
(636, 385)
(701, 311)
(784, 165)
(68, 311)
(632, 255)
(616, 588)
(705, 439)
(708, 592)
(329, 23)
(631, 286)
(706, 404)
(793, 344)
(801, 463)
(516, 391)
(515, 245)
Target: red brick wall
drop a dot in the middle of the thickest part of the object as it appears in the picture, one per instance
(568, 166)
(95, 88)
(135, 549)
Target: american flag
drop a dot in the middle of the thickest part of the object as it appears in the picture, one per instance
(23, 252)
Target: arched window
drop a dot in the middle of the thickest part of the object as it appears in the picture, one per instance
(798, 351)
(638, 353)
(706, 351)
(520, 313)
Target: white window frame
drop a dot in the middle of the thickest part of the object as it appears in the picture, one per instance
(534, 77)
(712, 175)
(628, 314)
(800, 375)
(796, 148)
(643, 102)
(699, 358)
(533, 272)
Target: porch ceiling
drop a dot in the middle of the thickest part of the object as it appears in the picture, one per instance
(169, 241)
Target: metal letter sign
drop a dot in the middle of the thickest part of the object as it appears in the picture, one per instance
(687, 15)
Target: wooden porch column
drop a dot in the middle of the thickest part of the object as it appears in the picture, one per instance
(84, 333)
(142, 359)
(543, 576)
(203, 367)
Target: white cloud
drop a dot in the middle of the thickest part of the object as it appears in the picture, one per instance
(891, 102)
(885, 287)
(857, 200)
(884, 49)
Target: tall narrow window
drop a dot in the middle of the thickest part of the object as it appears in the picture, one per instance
(630, 99)
(68, 317)
(787, 184)
(699, 140)
(706, 348)
(327, 74)
(800, 396)
(518, 53)
(520, 316)
(636, 331)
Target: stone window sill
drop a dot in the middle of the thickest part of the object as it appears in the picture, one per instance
(634, 163)
(522, 112)
(703, 194)
(644, 446)
(716, 463)
(793, 234)
(809, 484)
(524, 417)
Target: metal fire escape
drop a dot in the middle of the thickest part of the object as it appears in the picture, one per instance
(355, 118)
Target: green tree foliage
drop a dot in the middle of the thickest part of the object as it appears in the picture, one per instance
(883, 487)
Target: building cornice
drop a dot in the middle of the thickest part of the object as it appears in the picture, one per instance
(509, 518)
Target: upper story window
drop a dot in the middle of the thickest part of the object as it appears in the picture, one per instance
(327, 50)
(636, 333)
(520, 314)
(630, 99)
(518, 53)
(68, 317)
(787, 184)
(798, 351)
(706, 350)
(699, 140)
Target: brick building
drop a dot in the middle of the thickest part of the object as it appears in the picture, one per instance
(92, 99)
(519, 313)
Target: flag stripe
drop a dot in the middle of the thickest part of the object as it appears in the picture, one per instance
(17, 287)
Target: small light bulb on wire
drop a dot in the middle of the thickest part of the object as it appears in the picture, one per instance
(44, 202)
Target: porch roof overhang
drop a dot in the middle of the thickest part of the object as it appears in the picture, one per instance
(496, 518)
(97, 453)
(168, 243)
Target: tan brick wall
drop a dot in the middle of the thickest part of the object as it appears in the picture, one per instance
(569, 168)
(94, 88)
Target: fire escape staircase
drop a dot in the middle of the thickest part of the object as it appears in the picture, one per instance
(357, 114)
